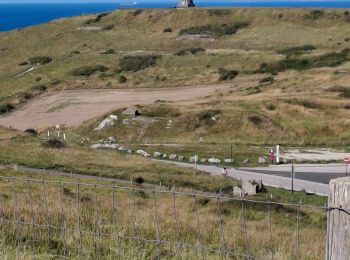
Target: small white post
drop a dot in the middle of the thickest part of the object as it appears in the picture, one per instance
(58, 133)
(277, 154)
(48, 133)
(64, 136)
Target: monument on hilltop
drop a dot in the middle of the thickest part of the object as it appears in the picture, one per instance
(186, 3)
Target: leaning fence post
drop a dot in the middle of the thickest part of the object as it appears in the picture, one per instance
(338, 233)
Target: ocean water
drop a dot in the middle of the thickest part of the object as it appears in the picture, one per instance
(15, 16)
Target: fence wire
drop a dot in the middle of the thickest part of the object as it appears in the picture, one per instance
(58, 219)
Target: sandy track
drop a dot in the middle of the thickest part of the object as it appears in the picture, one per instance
(72, 108)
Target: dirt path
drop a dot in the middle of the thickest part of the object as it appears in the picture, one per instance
(72, 108)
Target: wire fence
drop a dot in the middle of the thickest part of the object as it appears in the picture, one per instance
(43, 219)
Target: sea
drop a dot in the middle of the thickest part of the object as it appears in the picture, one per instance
(16, 16)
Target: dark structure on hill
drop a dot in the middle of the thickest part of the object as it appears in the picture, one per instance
(186, 3)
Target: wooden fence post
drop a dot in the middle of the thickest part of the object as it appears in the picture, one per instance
(338, 220)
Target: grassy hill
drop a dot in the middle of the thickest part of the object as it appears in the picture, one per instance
(288, 62)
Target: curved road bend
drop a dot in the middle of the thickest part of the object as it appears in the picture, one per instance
(268, 178)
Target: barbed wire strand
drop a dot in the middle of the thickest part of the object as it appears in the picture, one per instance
(63, 223)
(47, 215)
(16, 217)
(97, 226)
(115, 223)
(32, 218)
(222, 233)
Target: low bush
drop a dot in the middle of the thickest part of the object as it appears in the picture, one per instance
(24, 63)
(266, 80)
(297, 50)
(5, 108)
(167, 30)
(40, 88)
(214, 30)
(208, 117)
(122, 79)
(315, 14)
(271, 106)
(137, 12)
(343, 91)
(40, 60)
(137, 63)
(96, 19)
(256, 120)
(108, 27)
(54, 143)
(219, 12)
(108, 51)
(227, 74)
(31, 131)
(331, 59)
(304, 102)
(89, 70)
(189, 51)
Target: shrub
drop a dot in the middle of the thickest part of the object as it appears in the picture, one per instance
(108, 27)
(189, 51)
(23, 63)
(219, 12)
(331, 59)
(271, 106)
(40, 88)
(214, 30)
(167, 30)
(108, 51)
(266, 80)
(137, 12)
(303, 102)
(89, 70)
(137, 63)
(206, 117)
(227, 74)
(256, 120)
(40, 60)
(54, 143)
(343, 91)
(297, 50)
(96, 19)
(5, 108)
(315, 14)
(139, 180)
(122, 79)
(31, 131)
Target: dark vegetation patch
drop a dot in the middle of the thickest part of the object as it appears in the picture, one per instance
(271, 106)
(215, 29)
(189, 51)
(108, 27)
(297, 50)
(54, 143)
(89, 70)
(315, 14)
(24, 63)
(208, 117)
(122, 79)
(304, 102)
(253, 90)
(343, 91)
(219, 12)
(331, 59)
(40, 60)
(108, 51)
(40, 88)
(96, 19)
(137, 63)
(139, 180)
(266, 80)
(160, 110)
(225, 74)
(137, 12)
(255, 120)
(167, 30)
(31, 131)
(5, 108)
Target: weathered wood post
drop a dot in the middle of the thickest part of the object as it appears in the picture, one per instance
(338, 220)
